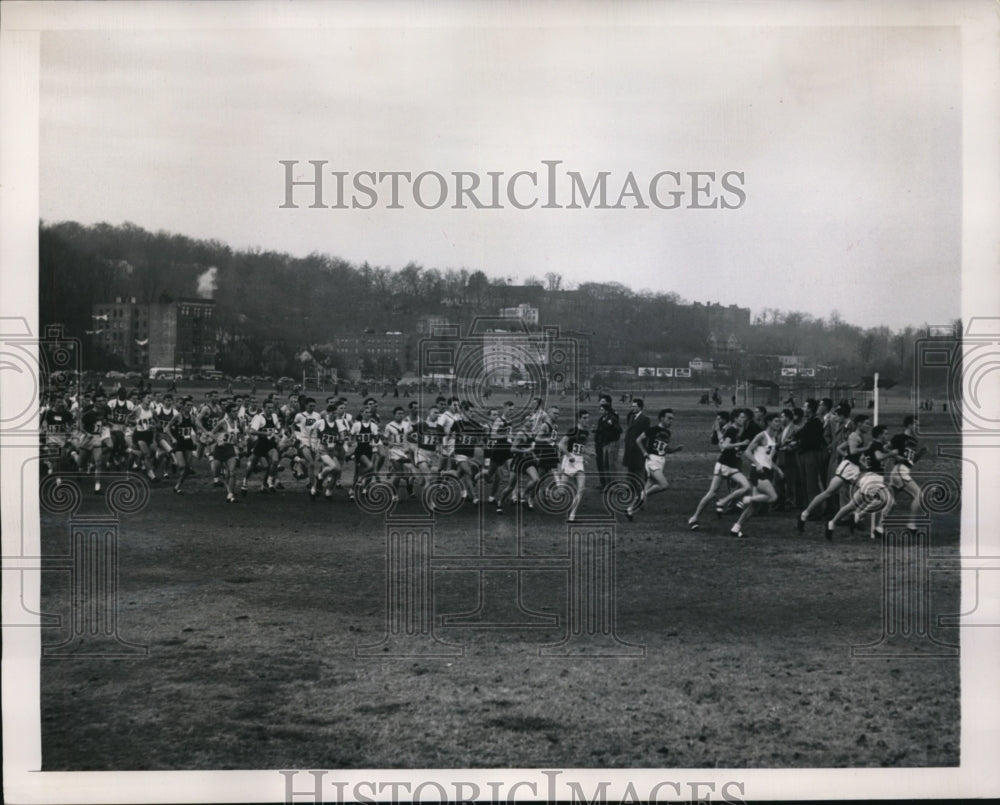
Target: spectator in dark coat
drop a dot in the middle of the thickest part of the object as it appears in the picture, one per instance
(607, 434)
(637, 424)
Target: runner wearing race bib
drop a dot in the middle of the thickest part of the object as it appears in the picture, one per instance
(119, 411)
(870, 494)
(395, 438)
(906, 451)
(727, 467)
(655, 446)
(56, 427)
(497, 454)
(307, 440)
(96, 434)
(143, 420)
(571, 452)
(468, 436)
(227, 437)
(847, 471)
(365, 435)
(265, 426)
(760, 454)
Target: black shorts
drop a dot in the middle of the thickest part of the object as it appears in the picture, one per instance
(143, 436)
(263, 446)
(184, 445)
(548, 458)
(765, 474)
(498, 456)
(223, 452)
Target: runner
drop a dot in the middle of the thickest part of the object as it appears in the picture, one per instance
(846, 471)
(364, 434)
(496, 457)
(165, 413)
(119, 411)
(906, 451)
(654, 444)
(265, 428)
(395, 437)
(571, 463)
(727, 466)
(870, 494)
(523, 465)
(57, 427)
(307, 441)
(95, 437)
(227, 438)
(468, 436)
(143, 420)
(760, 454)
(182, 432)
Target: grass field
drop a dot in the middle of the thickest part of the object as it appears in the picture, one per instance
(253, 613)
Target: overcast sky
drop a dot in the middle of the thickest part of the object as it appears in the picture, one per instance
(848, 139)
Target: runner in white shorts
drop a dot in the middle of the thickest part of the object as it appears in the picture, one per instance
(847, 471)
(870, 494)
(571, 465)
(395, 438)
(760, 454)
(655, 446)
(727, 467)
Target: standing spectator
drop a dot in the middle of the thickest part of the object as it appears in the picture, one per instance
(812, 451)
(633, 458)
(607, 433)
(755, 424)
(787, 459)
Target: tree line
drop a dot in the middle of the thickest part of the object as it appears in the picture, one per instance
(271, 305)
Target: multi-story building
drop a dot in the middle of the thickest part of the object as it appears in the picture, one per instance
(431, 325)
(121, 328)
(525, 312)
(175, 335)
(512, 357)
(381, 353)
(182, 334)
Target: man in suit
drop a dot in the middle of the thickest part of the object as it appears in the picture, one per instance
(607, 434)
(812, 454)
(633, 459)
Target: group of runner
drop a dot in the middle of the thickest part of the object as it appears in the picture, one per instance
(867, 467)
(506, 455)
